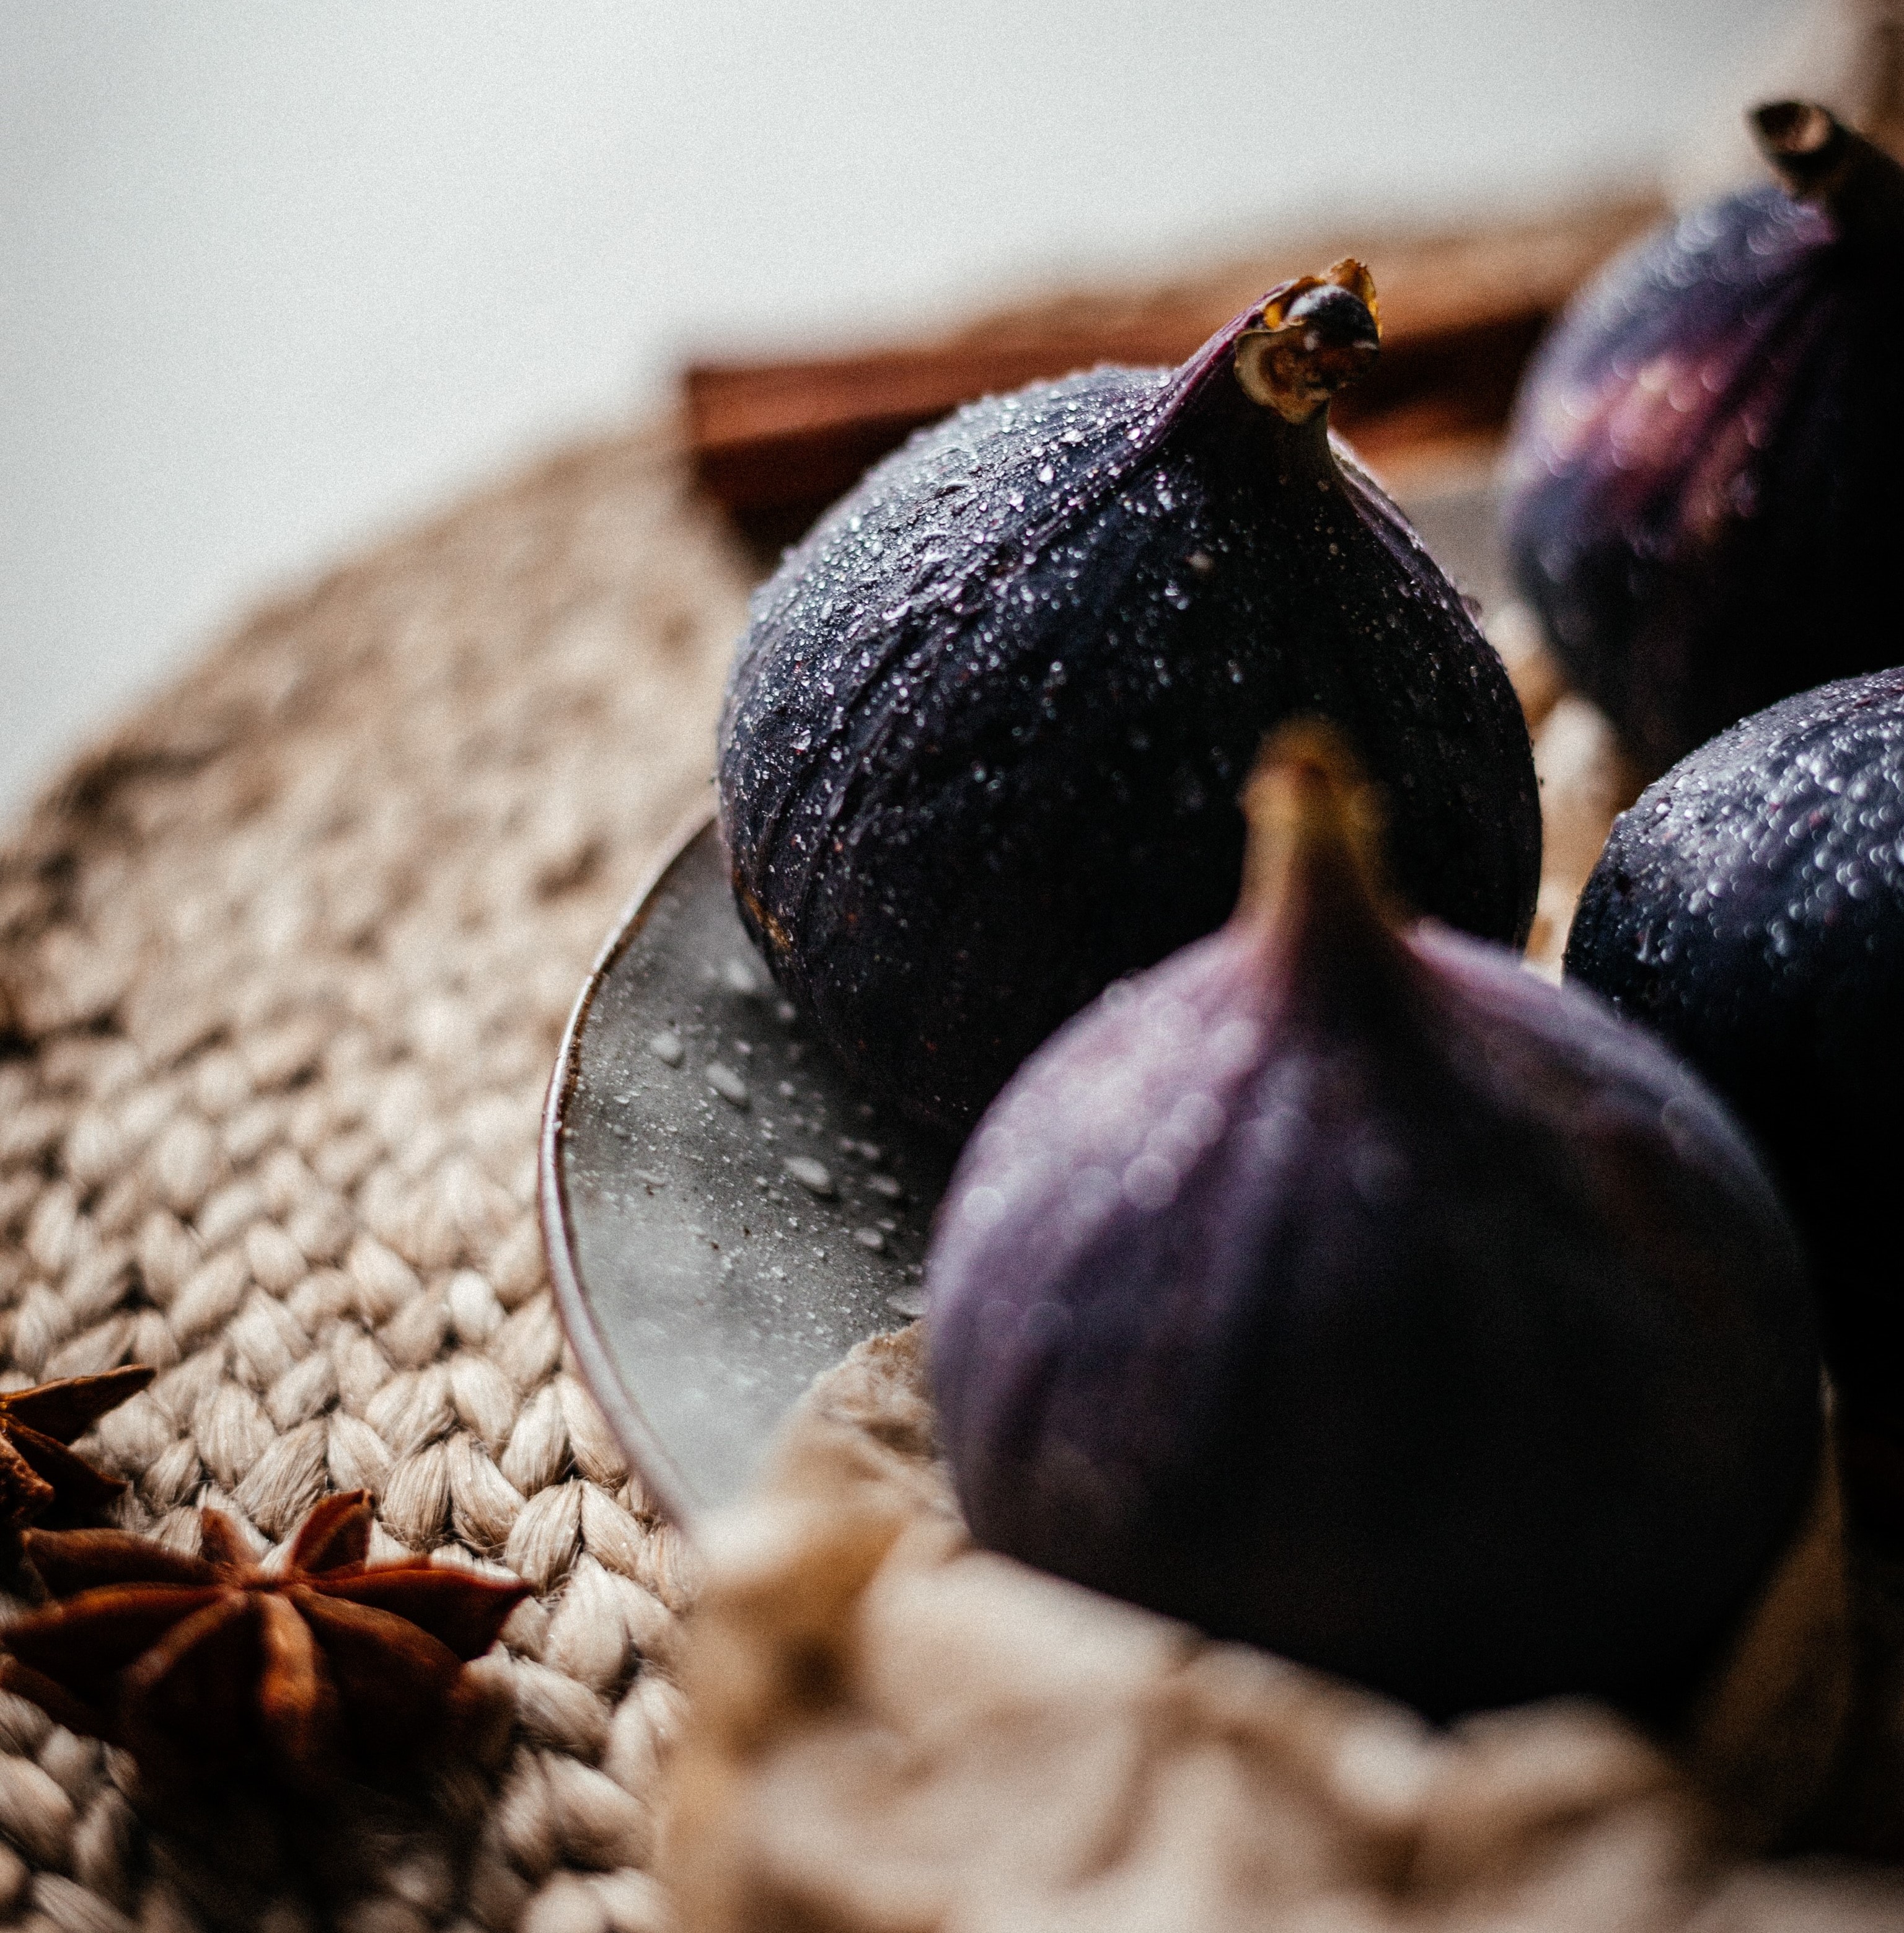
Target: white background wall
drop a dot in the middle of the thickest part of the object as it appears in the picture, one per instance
(273, 272)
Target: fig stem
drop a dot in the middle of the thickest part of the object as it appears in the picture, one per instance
(1821, 161)
(1314, 336)
(1314, 830)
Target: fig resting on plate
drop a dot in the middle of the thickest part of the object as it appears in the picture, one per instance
(984, 736)
(1750, 908)
(1341, 1287)
(1704, 487)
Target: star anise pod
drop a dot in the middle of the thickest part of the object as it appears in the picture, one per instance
(210, 1665)
(42, 1481)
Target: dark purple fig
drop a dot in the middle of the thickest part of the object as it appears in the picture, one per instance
(1343, 1287)
(1750, 908)
(1704, 489)
(984, 737)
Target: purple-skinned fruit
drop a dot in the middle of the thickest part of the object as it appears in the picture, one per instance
(1750, 908)
(1704, 489)
(984, 736)
(1339, 1286)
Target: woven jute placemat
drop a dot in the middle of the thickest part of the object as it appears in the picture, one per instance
(284, 961)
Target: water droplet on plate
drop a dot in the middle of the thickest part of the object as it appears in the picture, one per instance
(727, 1083)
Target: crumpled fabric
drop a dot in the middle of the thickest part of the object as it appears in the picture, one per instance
(893, 1732)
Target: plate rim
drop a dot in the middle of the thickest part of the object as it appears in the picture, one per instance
(651, 1462)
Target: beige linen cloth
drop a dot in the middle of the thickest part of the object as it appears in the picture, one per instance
(891, 1732)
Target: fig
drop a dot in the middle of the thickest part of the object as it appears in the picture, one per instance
(1703, 487)
(1750, 908)
(985, 732)
(1341, 1287)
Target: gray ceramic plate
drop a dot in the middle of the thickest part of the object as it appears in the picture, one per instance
(725, 1217)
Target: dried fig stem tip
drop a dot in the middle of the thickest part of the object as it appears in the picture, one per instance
(1317, 334)
(1821, 161)
(1315, 830)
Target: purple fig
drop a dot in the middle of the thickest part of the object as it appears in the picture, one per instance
(1342, 1288)
(1703, 483)
(1750, 907)
(985, 735)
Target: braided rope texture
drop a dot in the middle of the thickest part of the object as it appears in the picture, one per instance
(283, 963)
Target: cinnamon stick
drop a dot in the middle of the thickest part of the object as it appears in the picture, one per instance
(774, 442)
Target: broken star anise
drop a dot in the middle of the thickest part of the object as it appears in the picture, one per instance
(40, 1480)
(210, 1665)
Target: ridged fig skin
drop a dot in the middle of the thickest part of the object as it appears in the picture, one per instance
(985, 733)
(1703, 484)
(1384, 1306)
(1750, 909)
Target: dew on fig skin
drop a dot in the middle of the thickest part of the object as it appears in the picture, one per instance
(1750, 908)
(1001, 515)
